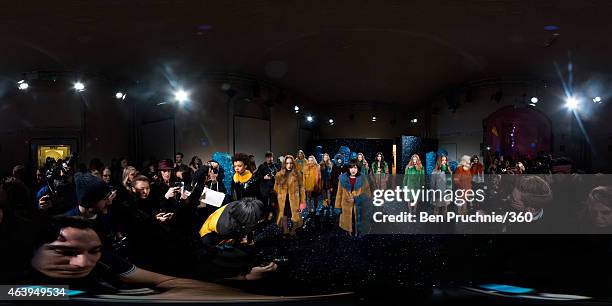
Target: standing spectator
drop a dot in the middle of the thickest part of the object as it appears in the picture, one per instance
(195, 164)
(129, 174)
(95, 167)
(266, 173)
(252, 165)
(178, 159)
(107, 175)
(244, 183)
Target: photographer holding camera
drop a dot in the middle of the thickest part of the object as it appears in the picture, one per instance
(59, 195)
(265, 175)
(226, 250)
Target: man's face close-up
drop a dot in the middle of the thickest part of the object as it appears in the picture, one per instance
(73, 254)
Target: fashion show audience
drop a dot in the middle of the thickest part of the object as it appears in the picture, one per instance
(110, 226)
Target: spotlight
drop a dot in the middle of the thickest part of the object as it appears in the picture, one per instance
(597, 99)
(534, 100)
(78, 86)
(23, 85)
(296, 109)
(373, 118)
(309, 118)
(120, 96)
(226, 86)
(181, 96)
(571, 103)
(331, 121)
(488, 148)
(414, 120)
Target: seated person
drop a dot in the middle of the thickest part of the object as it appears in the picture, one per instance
(225, 241)
(68, 251)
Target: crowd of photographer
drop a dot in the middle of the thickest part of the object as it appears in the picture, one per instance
(86, 223)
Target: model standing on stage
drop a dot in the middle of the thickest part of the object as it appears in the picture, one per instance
(380, 171)
(325, 168)
(353, 194)
(364, 168)
(441, 179)
(311, 182)
(300, 161)
(477, 170)
(414, 177)
(463, 180)
(289, 188)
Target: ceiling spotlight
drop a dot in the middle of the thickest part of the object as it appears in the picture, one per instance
(414, 120)
(597, 99)
(23, 85)
(78, 86)
(309, 118)
(534, 100)
(181, 96)
(488, 148)
(120, 96)
(571, 103)
(373, 118)
(331, 121)
(296, 109)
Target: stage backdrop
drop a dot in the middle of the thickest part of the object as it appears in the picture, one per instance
(368, 147)
(408, 145)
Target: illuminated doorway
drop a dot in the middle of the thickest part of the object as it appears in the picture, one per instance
(56, 152)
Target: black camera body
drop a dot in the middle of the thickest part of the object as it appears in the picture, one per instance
(54, 174)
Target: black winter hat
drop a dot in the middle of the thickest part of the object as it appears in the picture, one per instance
(90, 189)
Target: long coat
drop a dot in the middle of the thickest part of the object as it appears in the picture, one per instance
(311, 177)
(294, 187)
(352, 202)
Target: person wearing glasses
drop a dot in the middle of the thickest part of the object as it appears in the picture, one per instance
(291, 196)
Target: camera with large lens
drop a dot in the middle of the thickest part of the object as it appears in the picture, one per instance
(54, 176)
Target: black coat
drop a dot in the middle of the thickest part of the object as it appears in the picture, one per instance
(244, 190)
(267, 186)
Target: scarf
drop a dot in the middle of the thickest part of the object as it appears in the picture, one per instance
(243, 178)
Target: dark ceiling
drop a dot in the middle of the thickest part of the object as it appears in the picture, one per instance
(391, 51)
